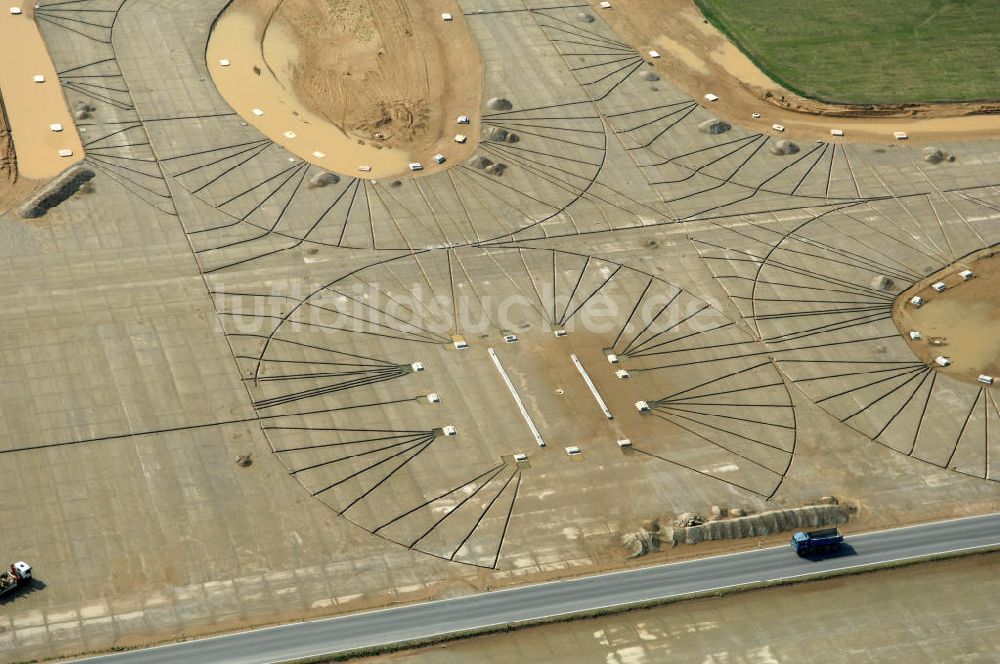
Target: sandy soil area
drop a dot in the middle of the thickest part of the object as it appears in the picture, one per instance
(348, 83)
(31, 107)
(960, 323)
(699, 59)
(12, 188)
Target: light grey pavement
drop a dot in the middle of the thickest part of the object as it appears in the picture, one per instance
(193, 307)
(562, 597)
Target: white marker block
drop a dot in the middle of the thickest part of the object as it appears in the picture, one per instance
(836, 132)
(778, 127)
(520, 457)
(224, 62)
(290, 134)
(900, 135)
(318, 154)
(365, 168)
(605, 5)
(65, 153)
(654, 54)
(463, 119)
(38, 78)
(446, 16)
(257, 112)
(55, 127)
(711, 97)
(461, 138)
(15, 10)
(942, 360)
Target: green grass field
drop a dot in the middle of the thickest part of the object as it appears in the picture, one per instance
(870, 51)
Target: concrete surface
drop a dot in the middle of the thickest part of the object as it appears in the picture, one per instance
(204, 303)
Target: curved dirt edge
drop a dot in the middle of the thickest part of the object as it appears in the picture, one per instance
(699, 59)
(958, 316)
(13, 187)
(261, 75)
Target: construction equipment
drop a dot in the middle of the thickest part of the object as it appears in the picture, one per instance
(18, 575)
(817, 541)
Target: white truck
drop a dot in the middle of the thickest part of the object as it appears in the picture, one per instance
(18, 575)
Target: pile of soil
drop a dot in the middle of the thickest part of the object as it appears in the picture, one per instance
(387, 72)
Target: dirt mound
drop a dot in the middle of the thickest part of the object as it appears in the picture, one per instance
(394, 122)
(783, 147)
(883, 283)
(714, 126)
(499, 104)
(57, 191)
(480, 162)
(388, 73)
(324, 178)
(933, 155)
(500, 135)
(732, 523)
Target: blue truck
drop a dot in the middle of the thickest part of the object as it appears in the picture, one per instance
(814, 542)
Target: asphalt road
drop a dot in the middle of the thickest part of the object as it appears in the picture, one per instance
(297, 640)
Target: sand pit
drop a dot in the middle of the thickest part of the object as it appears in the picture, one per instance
(697, 58)
(31, 107)
(959, 323)
(362, 87)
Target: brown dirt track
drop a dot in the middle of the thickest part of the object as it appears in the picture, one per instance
(699, 59)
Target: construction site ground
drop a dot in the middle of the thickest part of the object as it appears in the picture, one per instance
(352, 83)
(214, 415)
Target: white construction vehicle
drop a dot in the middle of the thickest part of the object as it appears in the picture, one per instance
(18, 575)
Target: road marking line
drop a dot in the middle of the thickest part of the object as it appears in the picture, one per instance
(593, 388)
(517, 398)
